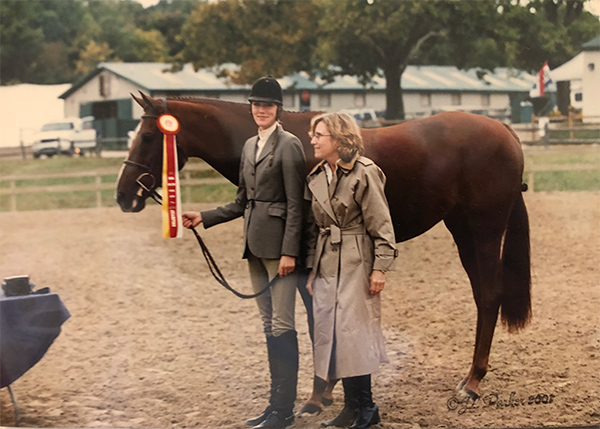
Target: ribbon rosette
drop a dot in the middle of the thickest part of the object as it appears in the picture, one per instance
(171, 208)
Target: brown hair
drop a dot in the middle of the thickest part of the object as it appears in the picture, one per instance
(344, 131)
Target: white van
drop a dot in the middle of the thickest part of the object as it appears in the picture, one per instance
(68, 136)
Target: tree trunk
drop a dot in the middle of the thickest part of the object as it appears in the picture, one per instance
(393, 93)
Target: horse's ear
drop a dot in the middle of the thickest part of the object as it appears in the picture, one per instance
(138, 100)
(147, 103)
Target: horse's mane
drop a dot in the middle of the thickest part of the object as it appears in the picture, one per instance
(215, 101)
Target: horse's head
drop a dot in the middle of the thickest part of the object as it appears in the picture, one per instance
(141, 173)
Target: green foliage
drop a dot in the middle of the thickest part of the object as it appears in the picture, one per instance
(267, 37)
(49, 42)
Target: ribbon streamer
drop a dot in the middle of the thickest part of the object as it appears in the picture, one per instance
(171, 208)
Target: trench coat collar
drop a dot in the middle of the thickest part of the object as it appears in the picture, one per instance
(346, 166)
(320, 189)
(269, 145)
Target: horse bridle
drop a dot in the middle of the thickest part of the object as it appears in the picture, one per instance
(151, 190)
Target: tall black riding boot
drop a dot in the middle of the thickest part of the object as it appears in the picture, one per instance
(286, 356)
(367, 413)
(348, 414)
(273, 369)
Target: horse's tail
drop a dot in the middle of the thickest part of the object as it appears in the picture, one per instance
(516, 270)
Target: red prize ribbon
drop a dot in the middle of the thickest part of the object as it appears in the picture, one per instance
(171, 208)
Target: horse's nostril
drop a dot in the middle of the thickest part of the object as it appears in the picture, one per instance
(120, 197)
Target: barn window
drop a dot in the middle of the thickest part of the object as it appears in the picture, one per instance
(360, 100)
(456, 100)
(325, 99)
(289, 100)
(425, 100)
(101, 86)
(485, 99)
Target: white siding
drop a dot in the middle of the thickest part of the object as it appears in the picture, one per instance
(115, 88)
(591, 86)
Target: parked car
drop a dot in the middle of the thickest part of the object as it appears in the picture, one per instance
(366, 118)
(68, 136)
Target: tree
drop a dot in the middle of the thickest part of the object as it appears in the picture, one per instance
(365, 38)
(267, 37)
(522, 35)
(91, 56)
(22, 45)
(167, 17)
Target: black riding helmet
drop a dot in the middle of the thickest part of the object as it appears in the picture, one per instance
(267, 90)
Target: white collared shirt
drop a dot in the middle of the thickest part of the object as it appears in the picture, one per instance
(329, 171)
(263, 137)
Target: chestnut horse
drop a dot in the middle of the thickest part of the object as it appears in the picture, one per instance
(460, 168)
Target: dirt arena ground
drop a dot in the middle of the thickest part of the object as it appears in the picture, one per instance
(154, 342)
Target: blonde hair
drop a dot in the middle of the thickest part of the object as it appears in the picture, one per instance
(344, 130)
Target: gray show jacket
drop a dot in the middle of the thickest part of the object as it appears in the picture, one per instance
(270, 197)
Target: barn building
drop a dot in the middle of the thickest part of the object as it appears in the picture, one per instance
(105, 92)
(582, 73)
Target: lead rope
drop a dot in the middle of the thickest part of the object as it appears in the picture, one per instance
(214, 268)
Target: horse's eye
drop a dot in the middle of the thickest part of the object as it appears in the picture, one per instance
(147, 137)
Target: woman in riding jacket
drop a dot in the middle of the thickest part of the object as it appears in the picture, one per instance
(270, 198)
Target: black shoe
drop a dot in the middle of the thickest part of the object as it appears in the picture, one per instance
(276, 420)
(260, 418)
(344, 419)
(366, 417)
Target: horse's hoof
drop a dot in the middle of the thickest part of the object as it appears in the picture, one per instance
(461, 384)
(465, 393)
(327, 401)
(309, 408)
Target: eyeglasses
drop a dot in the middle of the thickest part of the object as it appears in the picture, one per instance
(317, 136)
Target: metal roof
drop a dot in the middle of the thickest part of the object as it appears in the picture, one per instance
(592, 45)
(155, 77)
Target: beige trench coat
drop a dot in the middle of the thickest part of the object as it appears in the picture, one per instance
(351, 234)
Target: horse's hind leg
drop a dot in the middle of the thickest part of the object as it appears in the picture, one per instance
(479, 238)
(322, 394)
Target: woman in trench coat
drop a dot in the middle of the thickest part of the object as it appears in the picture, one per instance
(351, 247)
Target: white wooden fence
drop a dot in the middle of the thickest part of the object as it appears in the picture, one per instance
(187, 182)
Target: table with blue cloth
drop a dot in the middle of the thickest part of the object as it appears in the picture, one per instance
(29, 324)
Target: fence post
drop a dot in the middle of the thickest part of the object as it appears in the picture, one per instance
(98, 191)
(13, 196)
(188, 189)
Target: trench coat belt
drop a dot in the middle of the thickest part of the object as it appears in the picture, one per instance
(335, 232)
